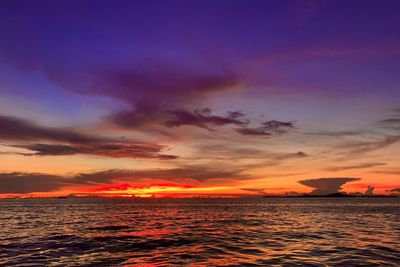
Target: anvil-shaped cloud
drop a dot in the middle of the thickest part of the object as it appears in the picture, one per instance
(326, 186)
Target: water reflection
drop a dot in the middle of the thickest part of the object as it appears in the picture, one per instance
(200, 232)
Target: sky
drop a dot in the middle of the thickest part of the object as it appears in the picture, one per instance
(199, 98)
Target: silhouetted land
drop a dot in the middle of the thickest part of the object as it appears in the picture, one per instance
(334, 195)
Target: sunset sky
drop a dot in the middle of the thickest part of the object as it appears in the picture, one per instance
(188, 98)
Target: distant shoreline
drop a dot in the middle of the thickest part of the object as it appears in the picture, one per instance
(345, 196)
(337, 195)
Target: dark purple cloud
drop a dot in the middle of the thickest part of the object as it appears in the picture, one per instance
(64, 141)
(391, 124)
(326, 186)
(299, 154)
(395, 121)
(151, 92)
(253, 131)
(12, 128)
(268, 128)
(204, 119)
(111, 150)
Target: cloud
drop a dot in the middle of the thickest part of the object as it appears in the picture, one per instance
(391, 121)
(387, 134)
(204, 119)
(369, 191)
(152, 90)
(12, 128)
(67, 142)
(22, 183)
(299, 154)
(111, 150)
(19, 182)
(198, 173)
(372, 145)
(357, 166)
(325, 186)
(388, 171)
(394, 190)
(333, 133)
(232, 152)
(259, 191)
(268, 128)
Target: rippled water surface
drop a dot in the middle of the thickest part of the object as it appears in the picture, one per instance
(200, 232)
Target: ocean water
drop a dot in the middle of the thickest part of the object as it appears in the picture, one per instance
(200, 232)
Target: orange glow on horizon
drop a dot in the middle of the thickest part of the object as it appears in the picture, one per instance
(155, 188)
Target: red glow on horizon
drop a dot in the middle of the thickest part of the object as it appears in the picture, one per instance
(126, 186)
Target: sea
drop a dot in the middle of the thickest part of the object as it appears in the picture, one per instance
(200, 232)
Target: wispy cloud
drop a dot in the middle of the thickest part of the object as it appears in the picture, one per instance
(395, 121)
(391, 171)
(394, 190)
(268, 128)
(230, 152)
(204, 119)
(356, 166)
(63, 141)
(111, 150)
(381, 134)
(333, 133)
(12, 128)
(371, 145)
